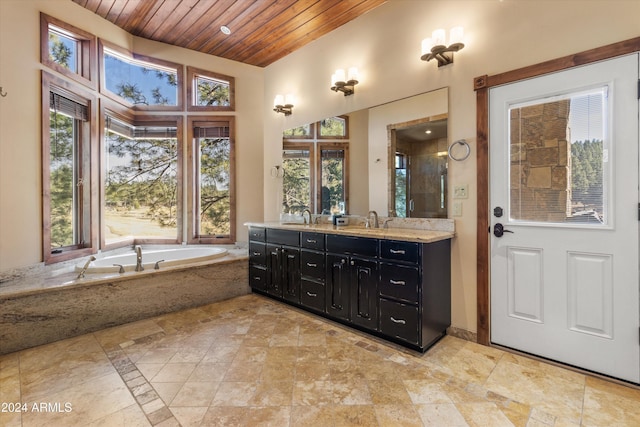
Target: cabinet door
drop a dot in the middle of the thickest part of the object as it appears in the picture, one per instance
(291, 273)
(337, 286)
(364, 292)
(274, 270)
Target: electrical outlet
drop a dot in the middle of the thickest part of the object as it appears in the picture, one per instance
(461, 191)
(457, 208)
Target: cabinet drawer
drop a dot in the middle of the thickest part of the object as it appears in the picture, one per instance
(257, 253)
(399, 251)
(352, 245)
(399, 320)
(312, 264)
(400, 282)
(258, 278)
(312, 294)
(257, 234)
(283, 237)
(313, 241)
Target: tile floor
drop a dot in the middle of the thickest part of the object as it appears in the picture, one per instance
(251, 361)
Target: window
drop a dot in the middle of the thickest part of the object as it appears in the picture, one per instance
(209, 91)
(297, 163)
(141, 180)
(559, 171)
(401, 185)
(315, 168)
(211, 182)
(140, 82)
(118, 180)
(68, 50)
(69, 212)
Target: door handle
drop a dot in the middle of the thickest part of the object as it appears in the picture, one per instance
(499, 230)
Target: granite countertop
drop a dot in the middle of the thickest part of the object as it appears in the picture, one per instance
(404, 234)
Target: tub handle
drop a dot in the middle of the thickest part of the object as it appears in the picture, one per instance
(157, 266)
(121, 268)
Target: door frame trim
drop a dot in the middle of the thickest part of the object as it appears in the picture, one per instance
(481, 85)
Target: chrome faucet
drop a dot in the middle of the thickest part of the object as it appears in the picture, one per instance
(373, 224)
(86, 265)
(306, 211)
(139, 266)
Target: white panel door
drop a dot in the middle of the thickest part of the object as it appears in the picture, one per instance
(564, 193)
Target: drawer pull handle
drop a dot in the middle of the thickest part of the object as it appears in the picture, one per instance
(257, 278)
(400, 321)
(312, 295)
(257, 254)
(312, 241)
(397, 282)
(291, 256)
(309, 264)
(399, 251)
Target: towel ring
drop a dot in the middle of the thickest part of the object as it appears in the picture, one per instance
(466, 154)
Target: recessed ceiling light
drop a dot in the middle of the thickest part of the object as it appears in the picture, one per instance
(225, 30)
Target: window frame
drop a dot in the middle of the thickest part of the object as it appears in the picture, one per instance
(338, 145)
(315, 144)
(311, 147)
(124, 114)
(87, 74)
(102, 44)
(318, 126)
(89, 136)
(192, 74)
(192, 186)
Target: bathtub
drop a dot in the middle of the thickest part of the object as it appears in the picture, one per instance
(57, 304)
(164, 258)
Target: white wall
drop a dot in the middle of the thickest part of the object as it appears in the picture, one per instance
(385, 45)
(20, 134)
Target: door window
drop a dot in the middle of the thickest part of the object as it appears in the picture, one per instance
(559, 159)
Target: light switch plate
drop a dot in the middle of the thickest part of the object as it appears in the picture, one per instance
(457, 208)
(461, 191)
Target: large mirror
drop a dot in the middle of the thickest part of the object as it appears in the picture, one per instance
(383, 160)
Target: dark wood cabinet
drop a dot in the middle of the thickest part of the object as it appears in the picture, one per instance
(364, 292)
(337, 286)
(398, 290)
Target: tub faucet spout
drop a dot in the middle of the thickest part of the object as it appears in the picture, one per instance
(139, 266)
(86, 265)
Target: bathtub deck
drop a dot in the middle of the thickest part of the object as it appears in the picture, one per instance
(35, 311)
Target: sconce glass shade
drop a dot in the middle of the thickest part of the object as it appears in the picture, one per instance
(455, 35)
(338, 76)
(289, 99)
(438, 37)
(279, 100)
(426, 46)
(352, 74)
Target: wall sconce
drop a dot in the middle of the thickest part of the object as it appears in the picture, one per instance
(345, 85)
(283, 105)
(435, 48)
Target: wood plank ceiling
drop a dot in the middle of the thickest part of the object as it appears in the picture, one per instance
(262, 31)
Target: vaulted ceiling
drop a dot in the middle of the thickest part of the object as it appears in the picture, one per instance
(262, 31)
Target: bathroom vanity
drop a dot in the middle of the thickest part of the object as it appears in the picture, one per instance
(392, 283)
